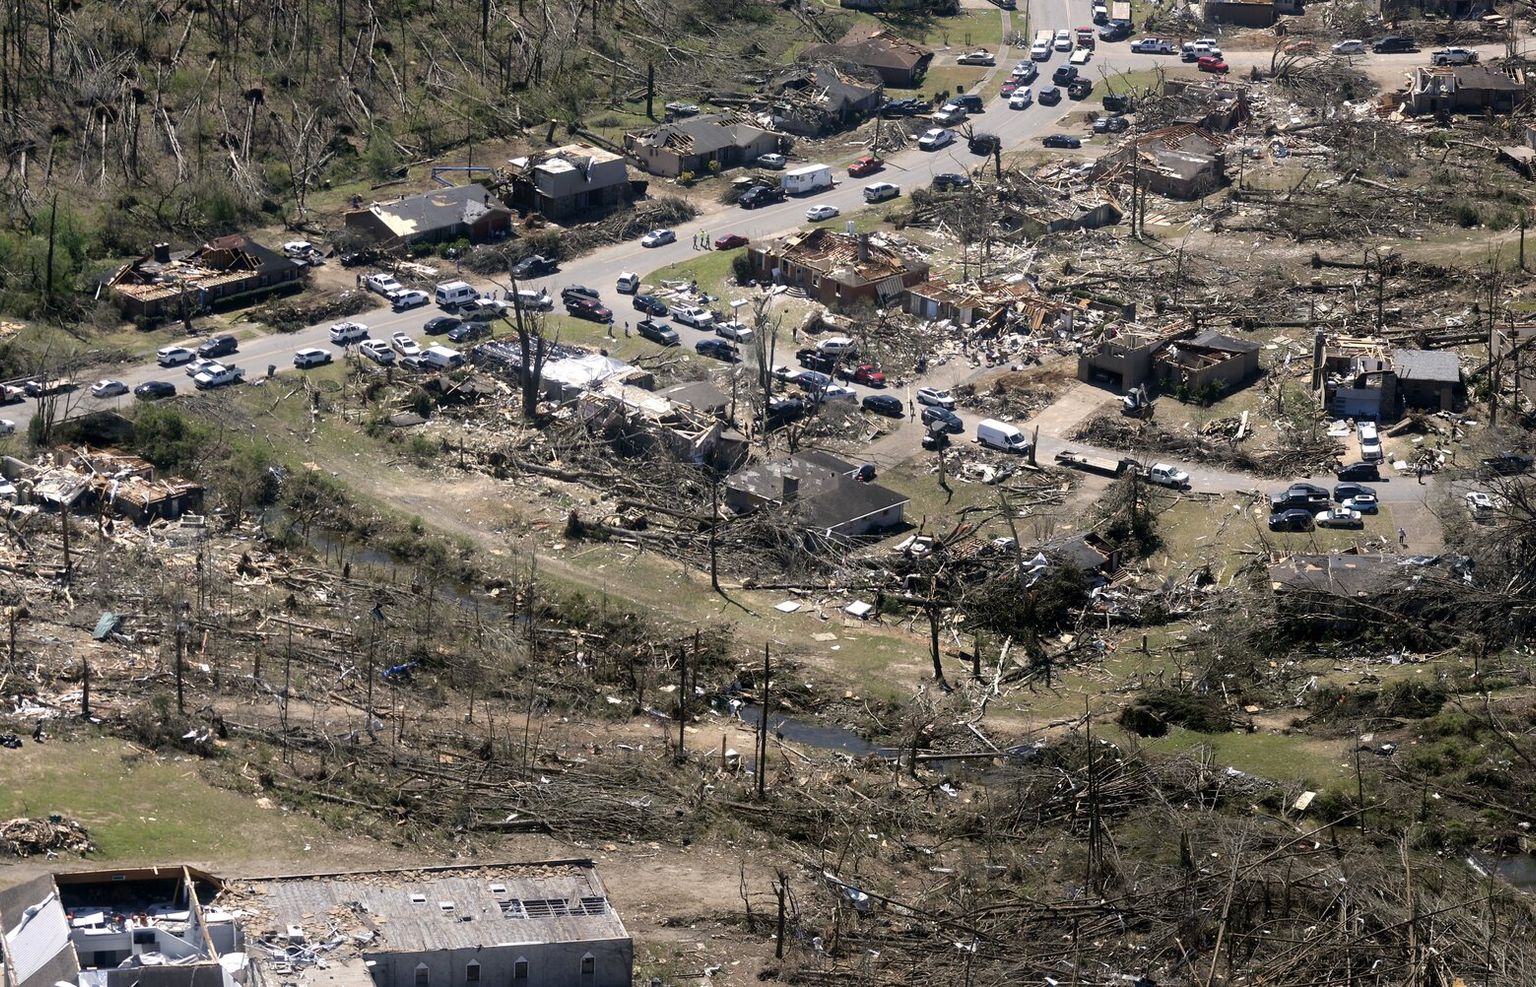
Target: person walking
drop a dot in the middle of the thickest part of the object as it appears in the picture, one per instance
(626, 330)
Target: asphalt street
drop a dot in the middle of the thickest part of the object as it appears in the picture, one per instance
(910, 169)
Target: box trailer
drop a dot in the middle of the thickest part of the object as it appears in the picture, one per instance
(807, 179)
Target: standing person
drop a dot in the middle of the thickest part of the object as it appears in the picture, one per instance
(626, 330)
(1402, 537)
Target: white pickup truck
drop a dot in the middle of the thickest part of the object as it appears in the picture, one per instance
(1161, 474)
(217, 376)
(383, 284)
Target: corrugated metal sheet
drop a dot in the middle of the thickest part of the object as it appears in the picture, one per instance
(38, 938)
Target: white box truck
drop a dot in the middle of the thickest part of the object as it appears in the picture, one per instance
(450, 294)
(807, 179)
(1000, 435)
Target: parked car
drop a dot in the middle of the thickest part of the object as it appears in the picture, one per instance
(1353, 46)
(579, 308)
(812, 382)
(1295, 519)
(888, 405)
(108, 388)
(880, 192)
(1299, 495)
(908, 107)
(783, 410)
(951, 422)
(1152, 46)
(658, 238)
(534, 266)
(983, 143)
(405, 345)
(761, 195)
(1212, 63)
(1064, 74)
(950, 114)
(734, 331)
(344, 333)
(979, 57)
(1363, 503)
(383, 284)
(1118, 103)
(658, 332)
(173, 356)
(1338, 517)
(468, 332)
(865, 373)
(1110, 125)
(935, 397)
(650, 304)
(1009, 87)
(378, 351)
(218, 376)
(1344, 491)
(1079, 88)
(1481, 505)
(950, 180)
(1370, 450)
(1063, 40)
(813, 360)
(1062, 140)
(837, 346)
(1022, 99)
(154, 390)
(440, 325)
(311, 356)
(1394, 45)
(867, 165)
(717, 349)
(578, 291)
(1508, 463)
(730, 241)
(192, 370)
(818, 213)
(774, 161)
(837, 392)
(1359, 471)
(693, 315)
(407, 300)
(1115, 31)
(1049, 96)
(1026, 72)
(218, 346)
(935, 138)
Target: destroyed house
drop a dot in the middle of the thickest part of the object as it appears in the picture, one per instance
(821, 491)
(464, 211)
(992, 301)
(1366, 378)
(569, 181)
(1089, 553)
(1088, 210)
(820, 98)
(93, 482)
(143, 927)
(1212, 104)
(1201, 363)
(228, 271)
(728, 139)
(1462, 89)
(1123, 358)
(1182, 162)
(546, 924)
(626, 413)
(897, 61)
(837, 268)
(1344, 590)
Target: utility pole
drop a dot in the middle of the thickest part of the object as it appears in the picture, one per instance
(181, 636)
(85, 690)
(714, 529)
(64, 527)
(762, 729)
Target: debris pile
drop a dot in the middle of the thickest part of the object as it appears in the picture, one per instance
(23, 837)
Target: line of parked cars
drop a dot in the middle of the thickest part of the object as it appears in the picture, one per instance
(1304, 506)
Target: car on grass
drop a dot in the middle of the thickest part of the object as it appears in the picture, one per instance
(311, 356)
(716, 349)
(908, 107)
(978, 57)
(730, 241)
(1294, 519)
(108, 388)
(471, 331)
(1049, 96)
(1338, 517)
(650, 305)
(173, 356)
(1061, 140)
(407, 300)
(405, 345)
(379, 352)
(440, 325)
(951, 422)
(935, 138)
(218, 346)
(1022, 99)
(1359, 471)
(1119, 103)
(935, 397)
(818, 213)
(658, 332)
(1213, 63)
(1363, 503)
(1351, 46)
(658, 238)
(950, 180)
(155, 390)
(534, 266)
(888, 405)
(580, 308)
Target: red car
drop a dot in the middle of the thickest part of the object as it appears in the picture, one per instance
(1010, 86)
(867, 165)
(1210, 63)
(865, 373)
(730, 241)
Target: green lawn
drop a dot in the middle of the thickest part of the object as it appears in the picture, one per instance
(972, 29)
(140, 807)
(712, 270)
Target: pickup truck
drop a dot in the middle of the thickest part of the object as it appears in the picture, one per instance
(1453, 56)
(867, 165)
(383, 284)
(217, 376)
(1161, 474)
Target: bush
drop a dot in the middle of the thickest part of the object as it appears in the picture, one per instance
(686, 178)
(741, 267)
(167, 438)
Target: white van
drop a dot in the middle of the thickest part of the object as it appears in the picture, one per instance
(452, 293)
(443, 357)
(999, 435)
(343, 333)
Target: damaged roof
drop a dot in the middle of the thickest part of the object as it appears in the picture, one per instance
(703, 134)
(437, 209)
(1439, 366)
(875, 49)
(828, 495)
(844, 257)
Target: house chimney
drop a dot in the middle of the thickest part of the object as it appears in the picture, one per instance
(863, 246)
(162, 253)
(791, 488)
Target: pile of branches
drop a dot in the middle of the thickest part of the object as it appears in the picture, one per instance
(1304, 455)
(24, 837)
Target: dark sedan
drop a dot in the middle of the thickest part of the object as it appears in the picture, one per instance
(719, 349)
(730, 241)
(534, 266)
(1062, 140)
(650, 305)
(440, 325)
(1049, 96)
(884, 404)
(154, 390)
(950, 421)
(1296, 519)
